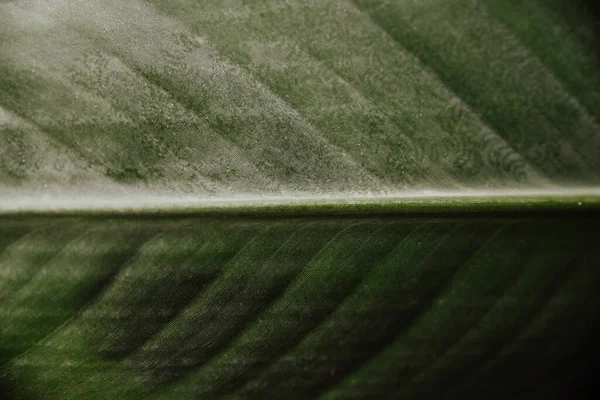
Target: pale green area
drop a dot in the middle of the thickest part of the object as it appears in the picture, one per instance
(225, 98)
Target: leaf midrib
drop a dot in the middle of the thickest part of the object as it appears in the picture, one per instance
(578, 200)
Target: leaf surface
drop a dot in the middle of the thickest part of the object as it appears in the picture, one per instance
(298, 199)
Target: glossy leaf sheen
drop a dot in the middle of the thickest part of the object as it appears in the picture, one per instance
(297, 199)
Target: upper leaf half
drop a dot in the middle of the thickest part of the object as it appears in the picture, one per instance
(232, 97)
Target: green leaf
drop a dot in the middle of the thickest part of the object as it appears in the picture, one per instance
(301, 199)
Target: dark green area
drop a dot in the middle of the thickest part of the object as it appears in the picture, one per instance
(254, 308)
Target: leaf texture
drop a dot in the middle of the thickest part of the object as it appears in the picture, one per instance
(294, 308)
(233, 98)
(297, 199)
